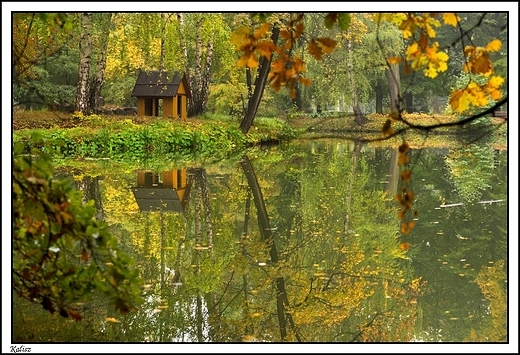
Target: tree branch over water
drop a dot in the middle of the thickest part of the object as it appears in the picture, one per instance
(465, 121)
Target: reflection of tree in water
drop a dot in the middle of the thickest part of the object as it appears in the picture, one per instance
(89, 185)
(472, 168)
(329, 301)
(282, 302)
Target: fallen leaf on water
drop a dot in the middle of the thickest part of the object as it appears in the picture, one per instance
(405, 246)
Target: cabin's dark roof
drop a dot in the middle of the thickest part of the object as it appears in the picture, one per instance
(160, 199)
(156, 83)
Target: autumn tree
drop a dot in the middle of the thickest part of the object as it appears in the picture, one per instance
(41, 72)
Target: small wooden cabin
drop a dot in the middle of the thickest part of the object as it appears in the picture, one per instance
(168, 191)
(173, 90)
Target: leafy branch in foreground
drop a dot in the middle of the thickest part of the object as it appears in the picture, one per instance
(62, 256)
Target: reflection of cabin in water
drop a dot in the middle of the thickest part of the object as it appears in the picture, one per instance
(168, 191)
(155, 85)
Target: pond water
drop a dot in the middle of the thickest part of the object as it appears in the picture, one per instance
(302, 243)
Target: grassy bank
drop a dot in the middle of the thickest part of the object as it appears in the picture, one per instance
(99, 136)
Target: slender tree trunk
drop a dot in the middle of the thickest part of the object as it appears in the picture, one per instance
(261, 79)
(379, 98)
(359, 118)
(85, 51)
(348, 198)
(394, 82)
(196, 80)
(163, 35)
(97, 83)
(393, 174)
(89, 186)
(206, 77)
(184, 49)
(408, 101)
(202, 184)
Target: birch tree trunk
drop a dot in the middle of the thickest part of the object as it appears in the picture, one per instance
(163, 35)
(200, 79)
(97, 83)
(85, 51)
(206, 77)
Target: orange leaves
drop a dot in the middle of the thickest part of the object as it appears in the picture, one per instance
(395, 60)
(84, 255)
(406, 175)
(387, 128)
(74, 314)
(404, 246)
(248, 43)
(286, 69)
(320, 46)
(406, 197)
(478, 62)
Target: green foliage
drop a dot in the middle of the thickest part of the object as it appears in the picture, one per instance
(61, 254)
(99, 138)
(228, 98)
(471, 170)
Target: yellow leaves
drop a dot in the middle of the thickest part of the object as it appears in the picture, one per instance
(492, 87)
(111, 320)
(428, 57)
(409, 23)
(249, 60)
(450, 19)
(494, 45)
(476, 95)
(459, 100)
(249, 43)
